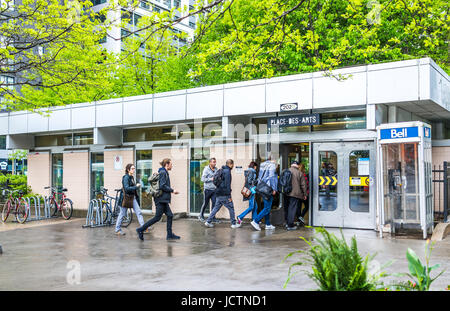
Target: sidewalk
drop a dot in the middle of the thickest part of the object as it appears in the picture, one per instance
(220, 258)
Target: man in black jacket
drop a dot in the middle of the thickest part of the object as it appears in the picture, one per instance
(162, 202)
(223, 196)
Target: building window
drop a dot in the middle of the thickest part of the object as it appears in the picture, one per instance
(149, 134)
(145, 5)
(177, 3)
(53, 140)
(2, 142)
(143, 172)
(83, 138)
(57, 170)
(102, 40)
(97, 172)
(347, 120)
(167, 3)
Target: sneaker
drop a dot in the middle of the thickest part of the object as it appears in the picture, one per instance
(216, 221)
(255, 225)
(301, 220)
(236, 225)
(140, 234)
(209, 225)
(120, 232)
(172, 237)
(269, 227)
(201, 218)
(238, 220)
(291, 228)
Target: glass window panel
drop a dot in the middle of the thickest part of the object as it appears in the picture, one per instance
(2, 142)
(149, 134)
(53, 140)
(143, 172)
(57, 170)
(83, 138)
(199, 159)
(359, 164)
(342, 121)
(97, 172)
(327, 180)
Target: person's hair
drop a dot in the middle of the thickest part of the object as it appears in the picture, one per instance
(212, 159)
(229, 161)
(253, 164)
(127, 168)
(301, 167)
(164, 162)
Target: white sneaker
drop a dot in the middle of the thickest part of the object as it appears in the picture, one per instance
(270, 227)
(209, 225)
(255, 225)
(236, 225)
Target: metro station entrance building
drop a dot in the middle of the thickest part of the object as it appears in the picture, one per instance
(328, 124)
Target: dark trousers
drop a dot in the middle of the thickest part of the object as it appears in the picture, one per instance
(292, 210)
(302, 212)
(207, 196)
(161, 208)
(223, 201)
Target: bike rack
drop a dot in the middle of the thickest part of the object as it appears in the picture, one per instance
(97, 220)
(37, 208)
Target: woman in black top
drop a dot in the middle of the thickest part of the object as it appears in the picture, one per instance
(130, 187)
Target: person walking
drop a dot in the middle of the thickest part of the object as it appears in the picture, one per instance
(250, 183)
(223, 197)
(209, 192)
(130, 187)
(302, 212)
(267, 174)
(162, 202)
(298, 193)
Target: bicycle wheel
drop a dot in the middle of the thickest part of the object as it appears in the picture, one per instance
(126, 221)
(53, 207)
(6, 210)
(106, 212)
(67, 209)
(22, 211)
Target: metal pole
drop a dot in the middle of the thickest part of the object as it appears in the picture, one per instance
(445, 190)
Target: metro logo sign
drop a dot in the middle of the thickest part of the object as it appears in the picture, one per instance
(402, 132)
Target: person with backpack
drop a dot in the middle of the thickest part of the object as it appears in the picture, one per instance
(302, 212)
(267, 187)
(222, 180)
(250, 184)
(284, 187)
(162, 198)
(130, 188)
(297, 193)
(209, 192)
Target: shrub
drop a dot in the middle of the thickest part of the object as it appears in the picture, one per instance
(336, 266)
(15, 182)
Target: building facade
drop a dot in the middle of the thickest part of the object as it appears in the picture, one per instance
(327, 124)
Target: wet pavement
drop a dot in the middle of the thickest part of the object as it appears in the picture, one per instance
(48, 256)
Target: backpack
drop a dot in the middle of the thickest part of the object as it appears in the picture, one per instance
(285, 182)
(154, 190)
(218, 177)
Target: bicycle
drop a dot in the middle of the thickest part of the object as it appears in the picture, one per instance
(110, 214)
(21, 207)
(64, 205)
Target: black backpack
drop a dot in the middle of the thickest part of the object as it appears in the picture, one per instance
(285, 182)
(218, 177)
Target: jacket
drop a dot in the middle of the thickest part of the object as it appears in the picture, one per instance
(299, 190)
(268, 174)
(224, 188)
(250, 180)
(164, 186)
(130, 188)
(207, 178)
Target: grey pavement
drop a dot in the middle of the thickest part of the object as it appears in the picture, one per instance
(45, 256)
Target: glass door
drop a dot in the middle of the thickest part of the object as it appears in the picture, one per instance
(97, 172)
(143, 172)
(199, 159)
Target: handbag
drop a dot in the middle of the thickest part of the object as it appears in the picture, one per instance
(246, 192)
(127, 199)
(263, 188)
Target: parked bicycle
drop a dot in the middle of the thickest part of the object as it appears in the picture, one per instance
(18, 206)
(110, 213)
(64, 205)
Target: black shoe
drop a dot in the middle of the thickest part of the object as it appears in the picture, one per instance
(140, 234)
(173, 237)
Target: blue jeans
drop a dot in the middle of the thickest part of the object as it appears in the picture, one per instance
(123, 212)
(222, 200)
(265, 212)
(252, 207)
